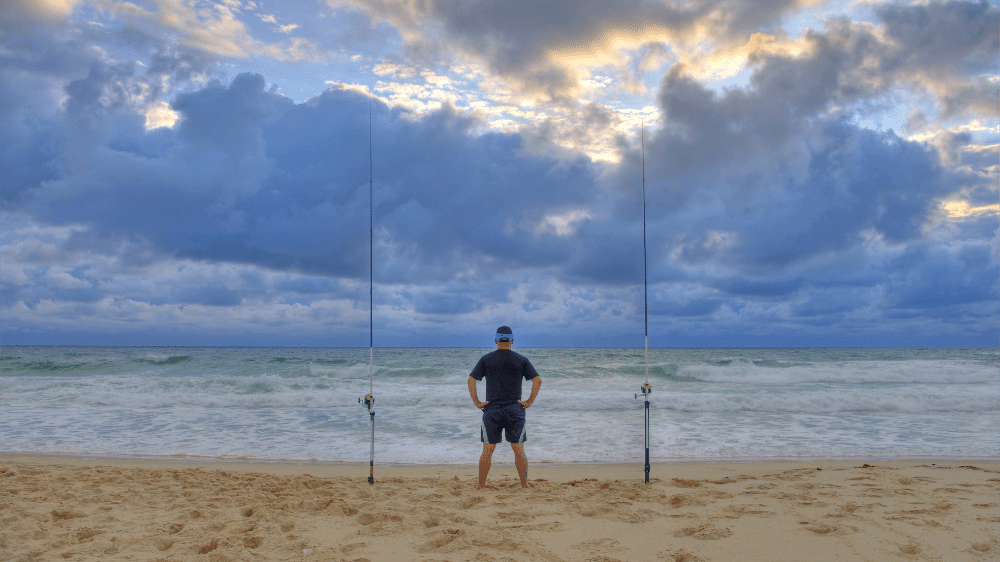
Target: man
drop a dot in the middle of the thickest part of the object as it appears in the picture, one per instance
(503, 411)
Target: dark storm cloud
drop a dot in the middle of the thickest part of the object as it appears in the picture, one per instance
(49, 64)
(692, 308)
(949, 38)
(33, 72)
(834, 178)
(307, 285)
(442, 192)
(210, 295)
(949, 48)
(762, 289)
(248, 176)
(518, 39)
(445, 303)
(777, 183)
(942, 277)
(721, 166)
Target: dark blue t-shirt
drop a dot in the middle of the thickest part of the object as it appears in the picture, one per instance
(503, 369)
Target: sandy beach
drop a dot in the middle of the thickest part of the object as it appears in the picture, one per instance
(73, 508)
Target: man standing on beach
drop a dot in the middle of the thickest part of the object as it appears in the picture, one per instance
(503, 411)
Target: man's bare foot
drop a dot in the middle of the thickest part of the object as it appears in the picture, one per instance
(525, 485)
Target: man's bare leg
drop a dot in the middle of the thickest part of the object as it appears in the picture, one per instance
(485, 461)
(521, 462)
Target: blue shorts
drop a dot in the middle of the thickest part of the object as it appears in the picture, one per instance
(508, 420)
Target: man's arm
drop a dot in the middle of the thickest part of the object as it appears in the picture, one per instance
(536, 383)
(474, 394)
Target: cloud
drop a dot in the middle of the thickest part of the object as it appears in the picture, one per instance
(269, 18)
(766, 194)
(244, 174)
(38, 10)
(216, 30)
(141, 191)
(942, 39)
(555, 57)
(539, 49)
(788, 137)
(945, 49)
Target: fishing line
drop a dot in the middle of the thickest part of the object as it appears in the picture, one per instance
(646, 389)
(369, 399)
(371, 263)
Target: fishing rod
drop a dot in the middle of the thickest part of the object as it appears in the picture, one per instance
(369, 399)
(645, 388)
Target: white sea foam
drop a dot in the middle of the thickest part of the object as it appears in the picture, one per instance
(895, 372)
(835, 401)
(357, 371)
(303, 404)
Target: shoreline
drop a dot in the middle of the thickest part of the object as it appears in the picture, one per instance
(606, 470)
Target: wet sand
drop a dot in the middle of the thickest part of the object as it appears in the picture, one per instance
(75, 508)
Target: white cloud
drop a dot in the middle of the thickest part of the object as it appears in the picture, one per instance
(43, 9)
(159, 114)
(396, 70)
(962, 209)
(269, 18)
(562, 224)
(217, 29)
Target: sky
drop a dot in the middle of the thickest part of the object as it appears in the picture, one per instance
(712, 173)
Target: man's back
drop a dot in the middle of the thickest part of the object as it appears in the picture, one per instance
(504, 370)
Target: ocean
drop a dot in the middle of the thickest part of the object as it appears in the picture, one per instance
(301, 404)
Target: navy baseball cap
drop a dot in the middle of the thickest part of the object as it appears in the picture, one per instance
(504, 333)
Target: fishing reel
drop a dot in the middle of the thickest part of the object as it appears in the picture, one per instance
(646, 390)
(368, 401)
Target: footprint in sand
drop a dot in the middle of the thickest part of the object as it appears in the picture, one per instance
(748, 509)
(515, 516)
(603, 544)
(594, 511)
(86, 534)
(378, 517)
(679, 556)
(828, 528)
(982, 547)
(435, 543)
(678, 500)
(822, 529)
(472, 501)
(63, 514)
(682, 483)
(704, 532)
(253, 542)
(353, 546)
